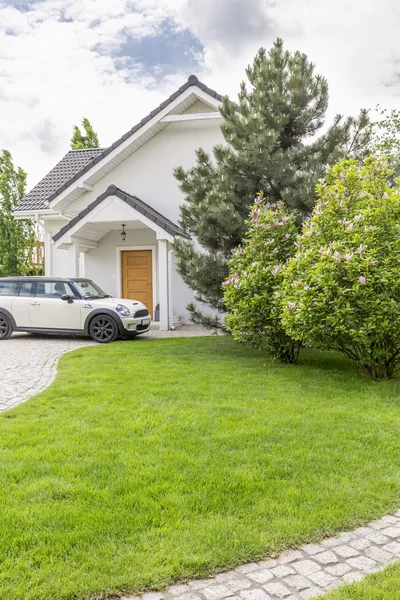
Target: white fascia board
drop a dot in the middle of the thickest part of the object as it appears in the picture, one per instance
(84, 242)
(137, 216)
(191, 117)
(32, 214)
(206, 98)
(79, 183)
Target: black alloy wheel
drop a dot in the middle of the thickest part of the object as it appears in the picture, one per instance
(103, 329)
(5, 327)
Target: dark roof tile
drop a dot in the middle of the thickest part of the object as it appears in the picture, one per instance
(57, 179)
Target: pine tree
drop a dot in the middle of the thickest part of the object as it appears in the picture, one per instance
(88, 139)
(17, 238)
(271, 146)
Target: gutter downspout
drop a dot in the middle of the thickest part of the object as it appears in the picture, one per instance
(170, 312)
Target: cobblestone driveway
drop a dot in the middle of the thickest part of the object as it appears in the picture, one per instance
(29, 365)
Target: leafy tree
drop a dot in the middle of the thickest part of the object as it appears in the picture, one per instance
(88, 139)
(386, 138)
(271, 144)
(342, 289)
(255, 273)
(17, 238)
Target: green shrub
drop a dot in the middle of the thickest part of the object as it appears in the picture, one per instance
(255, 274)
(342, 289)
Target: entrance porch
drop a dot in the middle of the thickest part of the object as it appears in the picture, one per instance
(140, 267)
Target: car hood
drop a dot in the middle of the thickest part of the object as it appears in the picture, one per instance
(111, 303)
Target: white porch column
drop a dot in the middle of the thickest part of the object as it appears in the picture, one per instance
(48, 255)
(73, 262)
(162, 268)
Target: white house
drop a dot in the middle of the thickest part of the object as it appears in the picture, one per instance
(91, 196)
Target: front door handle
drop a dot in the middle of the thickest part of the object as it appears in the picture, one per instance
(35, 303)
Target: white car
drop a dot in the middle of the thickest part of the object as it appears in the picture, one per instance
(68, 306)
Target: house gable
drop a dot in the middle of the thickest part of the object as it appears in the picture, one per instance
(190, 94)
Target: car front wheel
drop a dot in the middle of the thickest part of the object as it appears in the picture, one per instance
(103, 329)
(5, 327)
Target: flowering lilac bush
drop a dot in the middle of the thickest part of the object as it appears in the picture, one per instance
(255, 274)
(342, 289)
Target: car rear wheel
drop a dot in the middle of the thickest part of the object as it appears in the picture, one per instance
(103, 329)
(5, 327)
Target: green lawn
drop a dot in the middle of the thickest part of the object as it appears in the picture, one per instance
(380, 586)
(149, 462)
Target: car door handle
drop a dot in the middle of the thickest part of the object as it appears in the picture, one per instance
(35, 303)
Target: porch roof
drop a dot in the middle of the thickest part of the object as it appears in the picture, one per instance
(134, 202)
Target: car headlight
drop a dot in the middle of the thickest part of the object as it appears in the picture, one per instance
(122, 310)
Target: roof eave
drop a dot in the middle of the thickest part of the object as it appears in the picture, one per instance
(152, 217)
(192, 86)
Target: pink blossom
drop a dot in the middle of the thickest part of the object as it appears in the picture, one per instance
(287, 236)
(306, 288)
(275, 250)
(291, 305)
(351, 226)
(362, 280)
(348, 257)
(337, 256)
(276, 269)
(277, 295)
(357, 218)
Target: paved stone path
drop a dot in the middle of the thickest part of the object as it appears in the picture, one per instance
(305, 573)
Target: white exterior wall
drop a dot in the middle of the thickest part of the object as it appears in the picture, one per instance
(148, 174)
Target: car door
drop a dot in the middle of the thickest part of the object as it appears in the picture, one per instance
(48, 311)
(8, 289)
(21, 302)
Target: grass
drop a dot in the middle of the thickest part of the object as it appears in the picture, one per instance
(380, 586)
(149, 462)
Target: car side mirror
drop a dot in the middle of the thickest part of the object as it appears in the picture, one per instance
(67, 298)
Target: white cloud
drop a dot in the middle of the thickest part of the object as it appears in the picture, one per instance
(58, 60)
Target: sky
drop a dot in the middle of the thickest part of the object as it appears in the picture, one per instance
(113, 61)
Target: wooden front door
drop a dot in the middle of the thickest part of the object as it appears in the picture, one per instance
(137, 277)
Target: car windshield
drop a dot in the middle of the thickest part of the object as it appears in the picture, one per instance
(89, 289)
